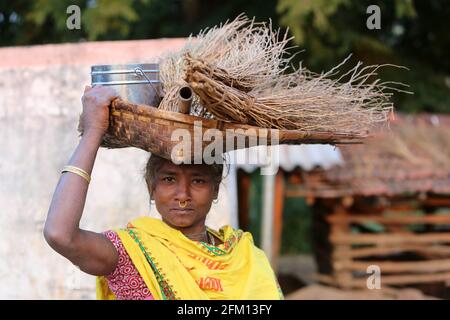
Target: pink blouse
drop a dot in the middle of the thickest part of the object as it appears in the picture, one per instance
(125, 281)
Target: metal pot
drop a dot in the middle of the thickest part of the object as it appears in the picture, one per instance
(137, 83)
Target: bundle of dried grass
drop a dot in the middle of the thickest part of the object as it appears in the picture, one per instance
(237, 71)
(300, 100)
(245, 54)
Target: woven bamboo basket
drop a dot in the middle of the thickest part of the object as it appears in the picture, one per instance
(150, 129)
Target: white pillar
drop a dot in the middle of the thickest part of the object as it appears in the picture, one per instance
(267, 215)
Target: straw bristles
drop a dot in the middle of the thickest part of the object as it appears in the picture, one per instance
(250, 54)
(237, 71)
(300, 100)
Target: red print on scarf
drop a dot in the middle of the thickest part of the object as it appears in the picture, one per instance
(210, 283)
(211, 264)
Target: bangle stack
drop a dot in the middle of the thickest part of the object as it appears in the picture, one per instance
(77, 171)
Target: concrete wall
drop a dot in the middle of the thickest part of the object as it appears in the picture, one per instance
(40, 91)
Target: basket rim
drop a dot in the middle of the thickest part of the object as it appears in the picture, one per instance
(285, 134)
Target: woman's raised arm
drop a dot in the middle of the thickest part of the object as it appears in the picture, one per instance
(91, 252)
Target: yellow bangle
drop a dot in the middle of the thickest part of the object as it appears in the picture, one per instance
(77, 171)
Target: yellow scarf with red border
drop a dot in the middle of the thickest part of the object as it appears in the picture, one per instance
(175, 267)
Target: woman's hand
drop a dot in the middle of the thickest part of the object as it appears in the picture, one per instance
(96, 102)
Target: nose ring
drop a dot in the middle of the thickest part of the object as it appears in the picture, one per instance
(182, 204)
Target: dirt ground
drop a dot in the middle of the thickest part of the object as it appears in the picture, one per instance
(320, 292)
(297, 277)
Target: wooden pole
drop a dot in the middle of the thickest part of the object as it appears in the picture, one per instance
(424, 250)
(383, 239)
(364, 218)
(343, 277)
(278, 217)
(405, 279)
(430, 266)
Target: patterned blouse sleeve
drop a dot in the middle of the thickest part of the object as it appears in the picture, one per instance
(125, 281)
(114, 238)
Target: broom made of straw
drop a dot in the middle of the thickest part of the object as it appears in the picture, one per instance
(331, 107)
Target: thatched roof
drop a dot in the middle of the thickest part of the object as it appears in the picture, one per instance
(412, 157)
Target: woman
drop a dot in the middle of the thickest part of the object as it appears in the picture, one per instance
(176, 258)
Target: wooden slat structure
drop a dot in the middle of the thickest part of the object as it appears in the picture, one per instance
(388, 206)
(408, 247)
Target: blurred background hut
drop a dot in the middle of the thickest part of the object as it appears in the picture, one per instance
(386, 205)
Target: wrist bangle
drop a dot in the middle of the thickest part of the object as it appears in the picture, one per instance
(77, 171)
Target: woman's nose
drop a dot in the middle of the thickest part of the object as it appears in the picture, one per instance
(183, 191)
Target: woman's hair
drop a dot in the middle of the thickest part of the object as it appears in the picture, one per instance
(155, 163)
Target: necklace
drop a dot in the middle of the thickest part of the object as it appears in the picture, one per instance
(195, 235)
(208, 237)
(211, 238)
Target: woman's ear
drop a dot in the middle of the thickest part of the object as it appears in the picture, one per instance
(150, 191)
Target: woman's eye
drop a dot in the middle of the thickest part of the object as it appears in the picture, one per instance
(198, 181)
(168, 179)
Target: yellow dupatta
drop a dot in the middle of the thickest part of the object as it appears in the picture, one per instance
(175, 267)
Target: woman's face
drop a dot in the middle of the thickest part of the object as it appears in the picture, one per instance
(190, 185)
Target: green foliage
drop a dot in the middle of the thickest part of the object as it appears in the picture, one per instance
(110, 17)
(298, 14)
(412, 34)
(44, 21)
(255, 209)
(297, 219)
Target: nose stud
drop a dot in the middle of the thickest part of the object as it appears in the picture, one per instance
(182, 204)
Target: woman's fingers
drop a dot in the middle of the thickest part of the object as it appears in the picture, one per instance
(111, 93)
(99, 95)
(107, 93)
